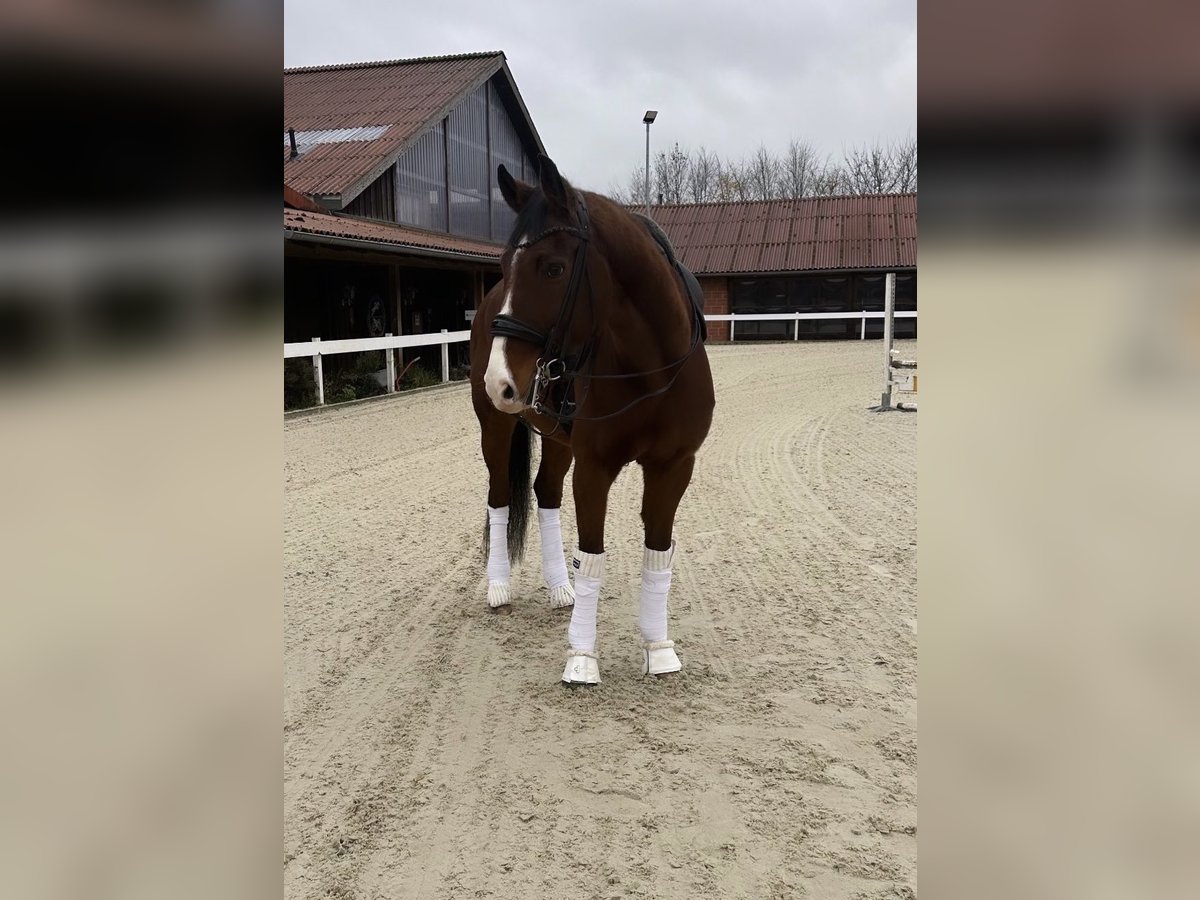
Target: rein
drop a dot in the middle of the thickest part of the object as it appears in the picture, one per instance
(553, 366)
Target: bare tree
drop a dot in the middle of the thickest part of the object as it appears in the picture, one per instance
(868, 170)
(734, 181)
(904, 161)
(882, 168)
(828, 180)
(797, 170)
(762, 173)
(681, 176)
(702, 177)
(671, 174)
(633, 191)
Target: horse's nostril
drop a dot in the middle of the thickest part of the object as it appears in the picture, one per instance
(508, 393)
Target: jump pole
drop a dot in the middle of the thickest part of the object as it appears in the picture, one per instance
(889, 306)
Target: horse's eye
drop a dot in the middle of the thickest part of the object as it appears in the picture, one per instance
(554, 270)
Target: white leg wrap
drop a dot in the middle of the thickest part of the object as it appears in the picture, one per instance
(659, 657)
(498, 571)
(656, 584)
(554, 566)
(582, 667)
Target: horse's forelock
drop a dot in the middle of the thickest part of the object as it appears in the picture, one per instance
(531, 220)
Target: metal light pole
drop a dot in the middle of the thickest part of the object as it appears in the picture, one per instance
(649, 118)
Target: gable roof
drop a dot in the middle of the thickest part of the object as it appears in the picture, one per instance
(871, 231)
(354, 120)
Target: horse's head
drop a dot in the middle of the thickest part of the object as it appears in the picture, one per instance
(546, 246)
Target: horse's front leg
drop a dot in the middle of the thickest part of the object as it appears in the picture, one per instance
(548, 486)
(664, 485)
(590, 486)
(496, 441)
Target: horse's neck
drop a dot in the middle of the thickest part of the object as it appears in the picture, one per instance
(650, 289)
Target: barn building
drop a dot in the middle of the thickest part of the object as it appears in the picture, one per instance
(813, 255)
(394, 223)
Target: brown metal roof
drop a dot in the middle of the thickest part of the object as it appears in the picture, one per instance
(406, 95)
(387, 236)
(297, 200)
(874, 231)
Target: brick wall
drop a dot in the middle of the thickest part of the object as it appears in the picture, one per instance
(716, 303)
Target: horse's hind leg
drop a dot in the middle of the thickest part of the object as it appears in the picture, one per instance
(663, 489)
(497, 448)
(548, 486)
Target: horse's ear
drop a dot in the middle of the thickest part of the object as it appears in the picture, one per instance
(516, 193)
(554, 186)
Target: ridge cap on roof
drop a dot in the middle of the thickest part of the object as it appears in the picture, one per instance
(773, 200)
(380, 63)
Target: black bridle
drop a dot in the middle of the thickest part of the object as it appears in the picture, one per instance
(553, 365)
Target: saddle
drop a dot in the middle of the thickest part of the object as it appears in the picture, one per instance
(694, 291)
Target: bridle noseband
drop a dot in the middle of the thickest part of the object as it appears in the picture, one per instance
(555, 366)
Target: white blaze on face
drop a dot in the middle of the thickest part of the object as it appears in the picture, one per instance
(498, 377)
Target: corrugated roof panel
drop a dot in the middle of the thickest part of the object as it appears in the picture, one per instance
(727, 231)
(774, 257)
(830, 228)
(387, 233)
(870, 231)
(720, 259)
(404, 95)
(754, 230)
(703, 231)
(747, 257)
(308, 139)
(857, 227)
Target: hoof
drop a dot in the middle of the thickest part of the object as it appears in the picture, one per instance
(498, 594)
(582, 668)
(563, 595)
(659, 658)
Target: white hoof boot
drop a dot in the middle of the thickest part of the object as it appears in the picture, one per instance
(499, 594)
(563, 595)
(659, 658)
(582, 668)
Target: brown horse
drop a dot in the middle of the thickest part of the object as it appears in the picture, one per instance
(594, 341)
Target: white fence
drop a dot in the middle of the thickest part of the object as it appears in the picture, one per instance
(317, 348)
(798, 317)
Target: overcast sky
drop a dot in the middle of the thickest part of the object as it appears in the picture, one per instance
(728, 75)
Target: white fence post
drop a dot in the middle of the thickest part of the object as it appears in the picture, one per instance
(796, 332)
(389, 356)
(863, 335)
(445, 360)
(731, 323)
(318, 373)
(889, 308)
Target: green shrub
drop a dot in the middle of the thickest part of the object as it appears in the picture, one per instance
(356, 380)
(417, 377)
(299, 387)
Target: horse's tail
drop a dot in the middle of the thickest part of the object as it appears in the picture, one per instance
(518, 486)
